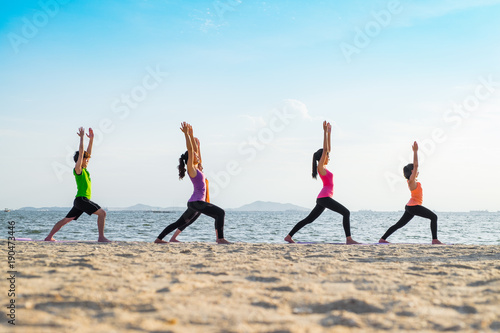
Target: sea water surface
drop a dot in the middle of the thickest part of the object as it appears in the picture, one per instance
(481, 228)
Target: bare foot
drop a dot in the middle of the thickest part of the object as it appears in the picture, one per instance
(222, 241)
(436, 242)
(173, 240)
(289, 239)
(383, 241)
(160, 241)
(349, 241)
(51, 239)
(103, 240)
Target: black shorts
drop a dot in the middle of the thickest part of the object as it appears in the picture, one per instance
(82, 205)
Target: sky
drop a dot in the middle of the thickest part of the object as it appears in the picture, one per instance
(256, 80)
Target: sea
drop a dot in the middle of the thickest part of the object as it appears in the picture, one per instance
(478, 228)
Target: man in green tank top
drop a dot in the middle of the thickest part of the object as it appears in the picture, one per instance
(82, 203)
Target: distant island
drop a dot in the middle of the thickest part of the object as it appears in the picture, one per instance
(268, 206)
(257, 206)
(45, 209)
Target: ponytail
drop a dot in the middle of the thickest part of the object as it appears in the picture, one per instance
(182, 165)
(316, 158)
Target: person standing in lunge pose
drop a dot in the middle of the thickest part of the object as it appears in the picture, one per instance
(82, 203)
(324, 200)
(190, 219)
(196, 203)
(414, 206)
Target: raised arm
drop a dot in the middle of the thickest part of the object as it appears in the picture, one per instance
(327, 128)
(91, 141)
(412, 183)
(187, 129)
(197, 147)
(194, 141)
(198, 153)
(329, 140)
(78, 165)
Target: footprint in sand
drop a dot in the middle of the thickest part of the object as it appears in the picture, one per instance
(405, 314)
(27, 276)
(463, 309)
(415, 268)
(41, 255)
(212, 273)
(125, 255)
(147, 307)
(482, 283)
(495, 325)
(352, 305)
(163, 290)
(51, 306)
(199, 266)
(282, 289)
(265, 305)
(82, 263)
(458, 266)
(262, 279)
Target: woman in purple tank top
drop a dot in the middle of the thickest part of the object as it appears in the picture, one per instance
(188, 220)
(197, 204)
(324, 200)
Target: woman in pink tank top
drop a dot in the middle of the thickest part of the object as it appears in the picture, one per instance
(324, 200)
(197, 204)
(414, 206)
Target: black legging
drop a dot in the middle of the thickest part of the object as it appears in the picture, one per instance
(190, 220)
(410, 212)
(321, 204)
(186, 219)
(193, 212)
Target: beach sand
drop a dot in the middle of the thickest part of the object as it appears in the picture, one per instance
(200, 287)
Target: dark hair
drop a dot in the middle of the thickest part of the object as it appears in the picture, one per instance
(407, 170)
(182, 164)
(316, 158)
(77, 154)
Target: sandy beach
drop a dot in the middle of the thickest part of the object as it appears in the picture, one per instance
(199, 287)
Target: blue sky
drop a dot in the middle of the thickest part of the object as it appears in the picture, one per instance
(255, 79)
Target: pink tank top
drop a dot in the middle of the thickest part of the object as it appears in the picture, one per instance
(327, 191)
(200, 188)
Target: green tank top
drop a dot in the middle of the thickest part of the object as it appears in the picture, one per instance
(83, 184)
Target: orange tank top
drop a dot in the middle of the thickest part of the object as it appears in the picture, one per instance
(417, 196)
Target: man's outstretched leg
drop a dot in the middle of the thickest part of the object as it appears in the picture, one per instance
(57, 227)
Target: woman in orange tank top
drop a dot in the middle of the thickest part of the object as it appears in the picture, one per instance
(414, 206)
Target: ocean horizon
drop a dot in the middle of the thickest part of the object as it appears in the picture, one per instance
(478, 228)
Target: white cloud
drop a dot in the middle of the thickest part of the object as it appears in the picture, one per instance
(253, 123)
(298, 107)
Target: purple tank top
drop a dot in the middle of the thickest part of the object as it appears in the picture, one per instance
(327, 191)
(200, 188)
